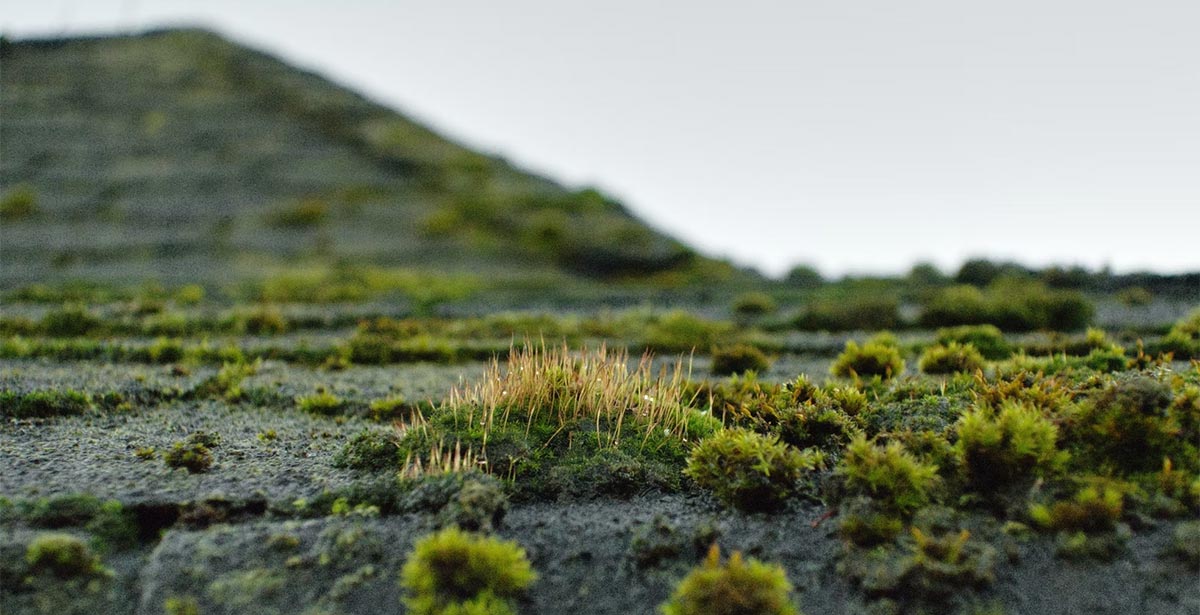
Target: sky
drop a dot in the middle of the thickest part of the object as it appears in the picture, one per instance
(856, 137)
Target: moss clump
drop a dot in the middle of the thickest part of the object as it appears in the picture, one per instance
(390, 408)
(987, 339)
(658, 543)
(749, 470)
(874, 358)
(1131, 425)
(40, 404)
(1014, 445)
(925, 570)
(176, 605)
(1183, 340)
(70, 321)
(62, 555)
(753, 304)
(193, 456)
(322, 402)
(227, 382)
(111, 525)
(211, 439)
(1094, 508)
(455, 572)
(679, 331)
(369, 450)
(550, 408)
(819, 425)
(1010, 304)
(263, 320)
(1185, 542)
(894, 479)
(861, 313)
(737, 359)
(307, 213)
(18, 203)
(1088, 524)
(736, 587)
(951, 358)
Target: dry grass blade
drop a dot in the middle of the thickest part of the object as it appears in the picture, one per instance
(441, 460)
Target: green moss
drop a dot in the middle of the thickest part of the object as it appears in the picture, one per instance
(41, 404)
(369, 450)
(987, 339)
(862, 313)
(70, 321)
(1010, 304)
(657, 542)
(264, 320)
(1012, 446)
(679, 331)
(1185, 542)
(873, 358)
(1106, 360)
(242, 590)
(303, 214)
(457, 572)
(63, 556)
(751, 471)
(210, 439)
(18, 203)
(227, 382)
(181, 605)
(736, 586)
(1094, 508)
(895, 480)
(816, 426)
(737, 359)
(950, 358)
(925, 571)
(753, 304)
(193, 456)
(113, 527)
(606, 473)
(1183, 340)
(863, 524)
(165, 350)
(322, 402)
(189, 294)
(1130, 426)
(390, 408)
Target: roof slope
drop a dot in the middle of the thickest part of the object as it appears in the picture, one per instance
(180, 156)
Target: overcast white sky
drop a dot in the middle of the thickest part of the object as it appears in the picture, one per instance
(856, 136)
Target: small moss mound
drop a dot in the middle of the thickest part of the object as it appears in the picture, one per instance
(18, 203)
(41, 404)
(1095, 508)
(322, 402)
(62, 555)
(1185, 542)
(987, 339)
(892, 477)
(455, 572)
(738, 359)
(1013, 445)
(874, 358)
(753, 304)
(193, 456)
(951, 358)
(370, 450)
(736, 587)
(751, 471)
